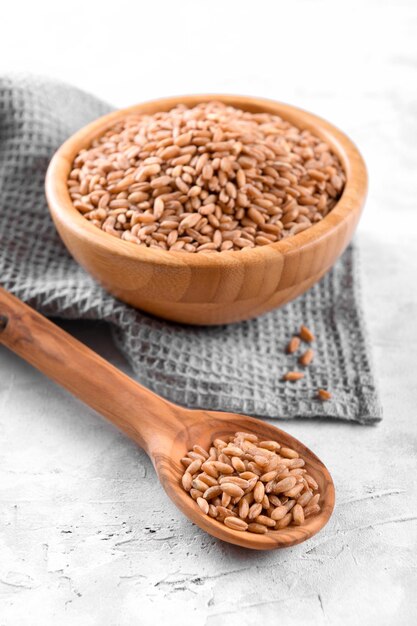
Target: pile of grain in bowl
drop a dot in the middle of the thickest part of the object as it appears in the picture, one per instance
(205, 179)
(250, 485)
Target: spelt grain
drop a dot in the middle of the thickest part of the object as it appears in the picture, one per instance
(212, 160)
(196, 456)
(238, 464)
(305, 498)
(295, 491)
(315, 499)
(201, 451)
(255, 510)
(223, 468)
(311, 482)
(195, 493)
(269, 476)
(306, 358)
(259, 529)
(293, 376)
(212, 492)
(248, 475)
(284, 485)
(311, 510)
(235, 523)
(259, 491)
(187, 481)
(239, 478)
(323, 394)
(274, 500)
(210, 469)
(232, 490)
(194, 466)
(209, 480)
(225, 499)
(243, 508)
(261, 461)
(306, 334)
(203, 504)
(288, 453)
(279, 513)
(212, 510)
(198, 484)
(284, 522)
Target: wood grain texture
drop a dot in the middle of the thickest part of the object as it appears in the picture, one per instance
(166, 431)
(217, 288)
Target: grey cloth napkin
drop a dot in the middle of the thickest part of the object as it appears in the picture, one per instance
(233, 368)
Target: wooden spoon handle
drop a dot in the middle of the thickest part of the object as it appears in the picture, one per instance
(131, 407)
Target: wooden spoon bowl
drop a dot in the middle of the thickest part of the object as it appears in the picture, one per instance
(216, 288)
(166, 431)
(203, 427)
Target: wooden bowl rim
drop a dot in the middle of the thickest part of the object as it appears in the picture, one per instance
(62, 208)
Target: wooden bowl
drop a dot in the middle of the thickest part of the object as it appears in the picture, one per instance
(216, 288)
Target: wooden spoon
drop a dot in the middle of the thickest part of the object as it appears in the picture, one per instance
(164, 430)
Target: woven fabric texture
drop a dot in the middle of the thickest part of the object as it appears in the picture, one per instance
(233, 368)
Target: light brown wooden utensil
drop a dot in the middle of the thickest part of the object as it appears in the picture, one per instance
(166, 431)
(215, 288)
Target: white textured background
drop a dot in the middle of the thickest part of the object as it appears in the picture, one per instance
(87, 536)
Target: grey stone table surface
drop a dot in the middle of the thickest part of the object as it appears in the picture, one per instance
(87, 536)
